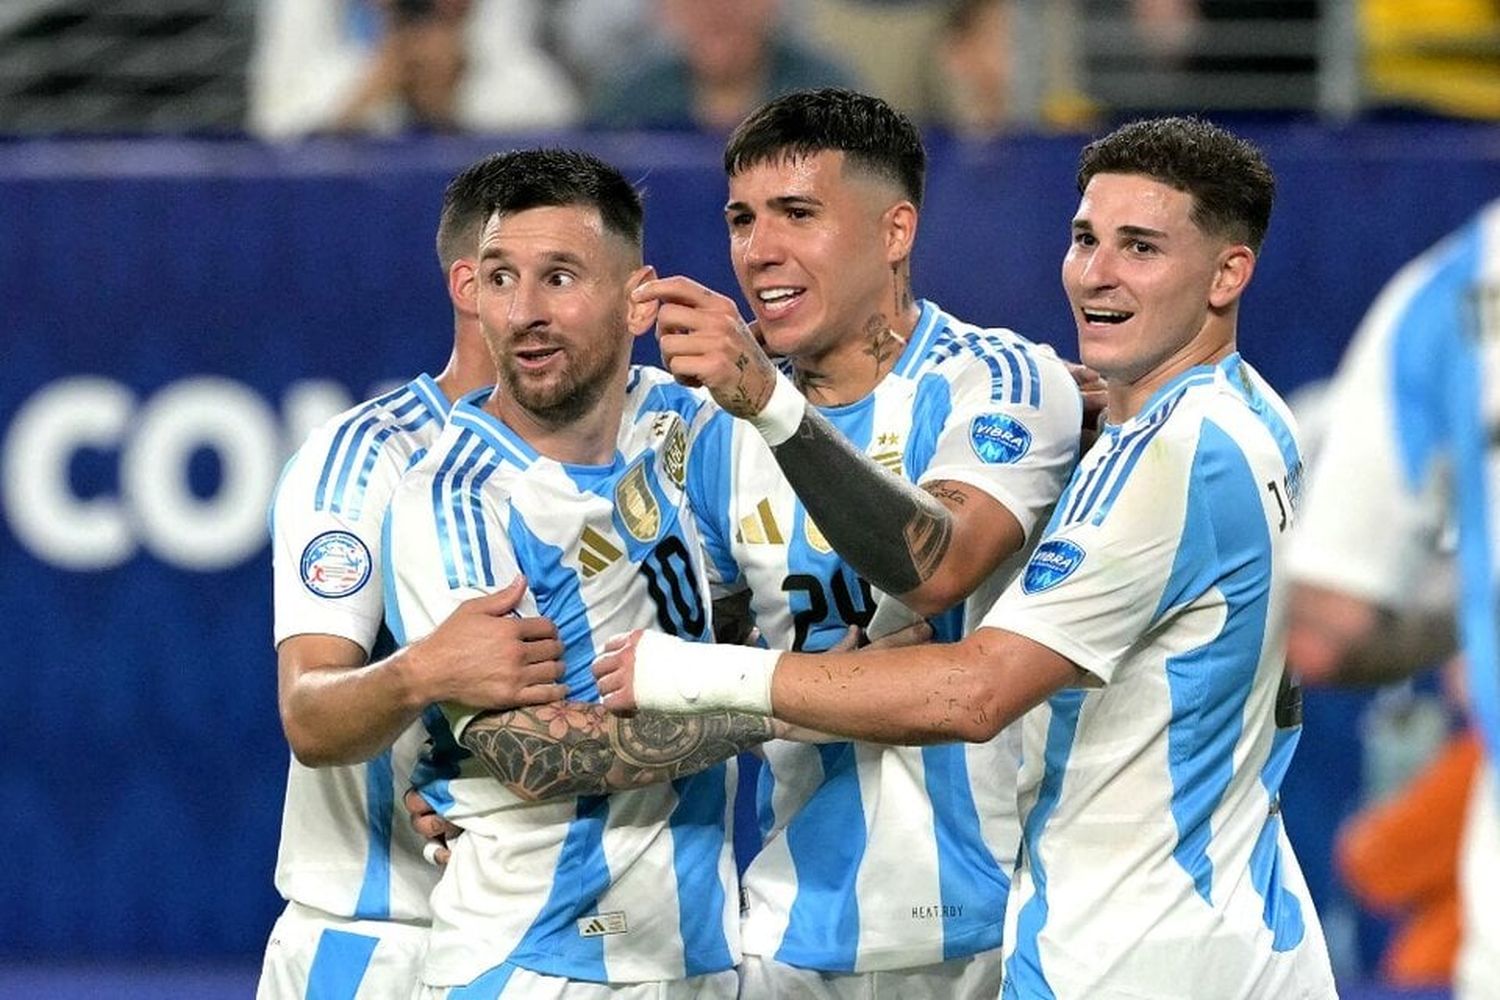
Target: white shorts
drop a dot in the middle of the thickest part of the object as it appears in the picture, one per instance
(312, 954)
(975, 977)
(515, 983)
(1477, 976)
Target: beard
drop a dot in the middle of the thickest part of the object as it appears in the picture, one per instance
(570, 392)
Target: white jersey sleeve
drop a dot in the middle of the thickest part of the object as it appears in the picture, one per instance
(1013, 424)
(326, 541)
(1092, 588)
(1357, 490)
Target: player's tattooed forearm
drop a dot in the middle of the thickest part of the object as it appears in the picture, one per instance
(893, 533)
(928, 535)
(569, 749)
(752, 389)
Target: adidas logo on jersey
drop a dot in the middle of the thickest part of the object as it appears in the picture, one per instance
(595, 552)
(760, 528)
(603, 923)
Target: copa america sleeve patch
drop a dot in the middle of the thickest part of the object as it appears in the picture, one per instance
(335, 564)
(999, 438)
(1052, 563)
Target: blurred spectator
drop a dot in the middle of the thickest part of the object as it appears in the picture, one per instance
(1439, 55)
(385, 65)
(971, 84)
(726, 58)
(596, 40)
(883, 42)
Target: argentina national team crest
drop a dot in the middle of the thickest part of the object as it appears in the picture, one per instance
(637, 505)
(1053, 562)
(998, 438)
(335, 564)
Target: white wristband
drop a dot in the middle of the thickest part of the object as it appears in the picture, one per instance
(782, 414)
(685, 677)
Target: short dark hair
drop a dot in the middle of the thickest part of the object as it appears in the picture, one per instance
(1231, 183)
(872, 135)
(534, 178)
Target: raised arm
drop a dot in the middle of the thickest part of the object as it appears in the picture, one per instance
(930, 546)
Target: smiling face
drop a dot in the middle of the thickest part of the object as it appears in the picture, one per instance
(812, 247)
(553, 303)
(1152, 293)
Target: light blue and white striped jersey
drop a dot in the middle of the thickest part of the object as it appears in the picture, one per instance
(638, 885)
(1413, 447)
(1154, 863)
(347, 847)
(880, 857)
(1412, 450)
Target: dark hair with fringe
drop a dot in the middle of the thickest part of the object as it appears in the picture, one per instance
(872, 135)
(1231, 184)
(534, 178)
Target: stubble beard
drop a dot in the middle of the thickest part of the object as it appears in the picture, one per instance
(572, 392)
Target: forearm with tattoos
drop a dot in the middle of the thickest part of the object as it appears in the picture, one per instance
(578, 748)
(861, 508)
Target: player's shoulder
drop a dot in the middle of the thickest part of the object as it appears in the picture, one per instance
(350, 454)
(956, 349)
(1229, 407)
(650, 390)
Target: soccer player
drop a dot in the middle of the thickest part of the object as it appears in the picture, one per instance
(1143, 641)
(883, 868)
(572, 471)
(350, 868)
(1411, 452)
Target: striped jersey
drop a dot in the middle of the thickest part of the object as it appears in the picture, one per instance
(633, 886)
(880, 857)
(1153, 860)
(347, 847)
(1413, 449)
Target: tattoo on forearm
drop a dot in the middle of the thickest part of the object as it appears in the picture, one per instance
(751, 390)
(572, 748)
(893, 533)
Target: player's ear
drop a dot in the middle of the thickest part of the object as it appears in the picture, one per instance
(642, 315)
(463, 287)
(899, 227)
(1235, 266)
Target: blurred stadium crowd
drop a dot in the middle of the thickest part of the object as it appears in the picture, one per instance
(284, 68)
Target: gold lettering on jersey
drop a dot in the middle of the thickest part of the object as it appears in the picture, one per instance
(603, 923)
(595, 552)
(674, 452)
(637, 505)
(815, 536)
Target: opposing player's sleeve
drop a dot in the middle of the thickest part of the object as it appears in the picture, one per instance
(325, 548)
(437, 556)
(1099, 579)
(1011, 427)
(1374, 509)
